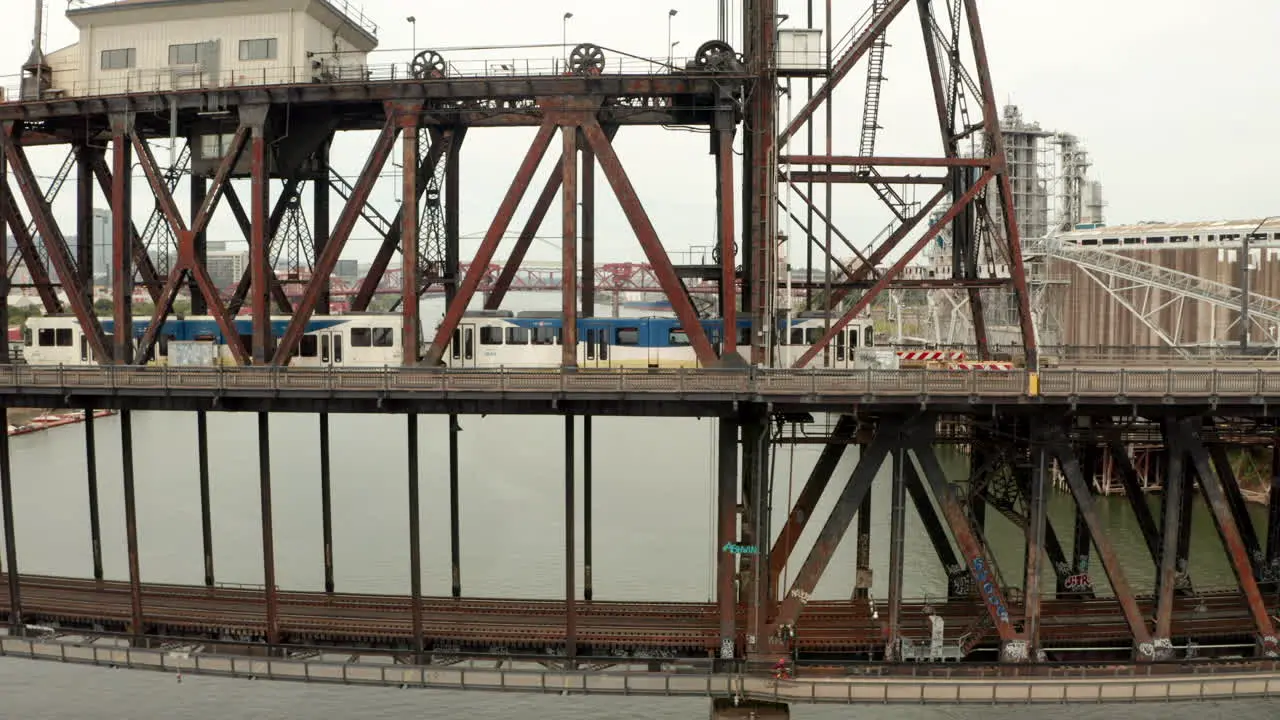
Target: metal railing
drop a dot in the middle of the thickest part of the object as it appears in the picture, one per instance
(1124, 686)
(685, 383)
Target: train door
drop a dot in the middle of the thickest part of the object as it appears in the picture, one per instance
(332, 352)
(594, 349)
(463, 347)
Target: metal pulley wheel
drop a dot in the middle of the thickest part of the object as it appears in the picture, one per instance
(715, 55)
(715, 253)
(428, 65)
(586, 59)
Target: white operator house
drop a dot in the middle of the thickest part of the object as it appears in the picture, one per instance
(129, 46)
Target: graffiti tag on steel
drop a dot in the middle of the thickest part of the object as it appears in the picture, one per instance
(986, 585)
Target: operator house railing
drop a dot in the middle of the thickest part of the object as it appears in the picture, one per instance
(1139, 383)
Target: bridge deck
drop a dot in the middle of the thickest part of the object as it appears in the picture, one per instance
(480, 624)
(684, 392)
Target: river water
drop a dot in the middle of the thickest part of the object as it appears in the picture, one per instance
(653, 539)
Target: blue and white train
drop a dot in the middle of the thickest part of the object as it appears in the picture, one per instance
(483, 339)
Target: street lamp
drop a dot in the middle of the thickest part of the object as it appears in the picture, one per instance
(564, 37)
(671, 52)
(670, 16)
(413, 23)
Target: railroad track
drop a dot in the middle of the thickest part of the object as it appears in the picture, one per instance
(312, 617)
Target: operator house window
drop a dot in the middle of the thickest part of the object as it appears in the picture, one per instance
(258, 49)
(122, 59)
(188, 54)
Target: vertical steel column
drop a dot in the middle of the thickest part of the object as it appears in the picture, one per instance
(1273, 507)
(16, 624)
(320, 215)
(200, 242)
(862, 582)
(268, 535)
(91, 470)
(409, 305)
(455, 539)
(84, 217)
(1080, 539)
(587, 191)
(131, 522)
(326, 503)
(1037, 521)
(570, 564)
(4, 251)
(452, 214)
(728, 272)
(755, 527)
(586, 508)
(1167, 567)
(726, 534)
(122, 238)
(897, 549)
(206, 518)
(259, 246)
(569, 248)
(415, 523)
(1184, 530)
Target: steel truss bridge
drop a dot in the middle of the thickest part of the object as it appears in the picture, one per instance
(1021, 426)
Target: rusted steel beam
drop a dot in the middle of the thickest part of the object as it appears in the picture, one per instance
(897, 550)
(728, 258)
(168, 206)
(1037, 520)
(197, 189)
(977, 559)
(756, 590)
(672, 287)
(54, 242)
(441, 140)
(1273, 506)
(136, 626)
(843, 65)
(1229, 532)
(892, 272)
(569, 247)
(586, 508)
(455, 524)
(326, 503)
(453, 210)
(84, 215)
(1167, 565)
(810, 494)
(141, 258)
(273, 228)
(1070, 467)
(958, 583)
(488, 246)
(328, 259)
(587, 231)
(16, 624)
(91, 475)
(1235, 500)
(862, 563)
(856, 178)
(1080, 538)
(411, 325)
(259, 255)
(206, 519)
(833, 531)
(536, 216)
(268, 534)
(991, 121)
(570, 541)
(12, 216)
(727, 533)
(1136, 498)
(319, 218)
(845, 160)
(415, 521)
(221, 178)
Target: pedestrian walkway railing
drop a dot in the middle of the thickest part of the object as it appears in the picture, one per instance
(710, 383)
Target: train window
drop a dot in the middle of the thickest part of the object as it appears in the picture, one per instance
(490, 335)
(812, 336)
(677, 337)
(309, 347)
(46, 337)
(868, 336)
(797, 336)
(744, 335)
(517, 336)
(324, 349)
(27, 337)
(545, 335)
(839, 342)
(337, 349)
(457, 344)
(63, 337)
(383, 337)
(591, 343)
(468, 344)
(853, 338)
(361, 337)
(629, 336)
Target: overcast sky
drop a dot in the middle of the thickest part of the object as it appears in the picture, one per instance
(1177, 102)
